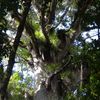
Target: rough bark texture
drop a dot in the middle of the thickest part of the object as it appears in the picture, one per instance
(43, 94)
(55, 91)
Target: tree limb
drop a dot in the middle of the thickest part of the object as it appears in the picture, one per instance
(52, 11)
(61, 18)
(31, 32)
(76, 25)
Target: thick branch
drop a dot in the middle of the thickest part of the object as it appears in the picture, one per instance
(76, 25)
(31, 32)
(52, 11)
(62, 68)
(43, 24)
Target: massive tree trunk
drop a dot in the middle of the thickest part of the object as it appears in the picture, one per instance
(54, 91)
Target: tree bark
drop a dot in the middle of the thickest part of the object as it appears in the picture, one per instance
(55, 92)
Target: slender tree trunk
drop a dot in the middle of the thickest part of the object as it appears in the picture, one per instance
(8, 73)
(81, 76)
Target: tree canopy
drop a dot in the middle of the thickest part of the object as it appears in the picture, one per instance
(59, 37)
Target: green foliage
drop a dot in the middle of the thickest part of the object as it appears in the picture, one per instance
(90, 53)
(17, 87)
(52, 67)
(40, 35)
(14, 84)
(4, 41)
(92, 14)
(8, 5)
(54, 39)
(95, 85)
(70, 96)
(23, 53)
(36, 25)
